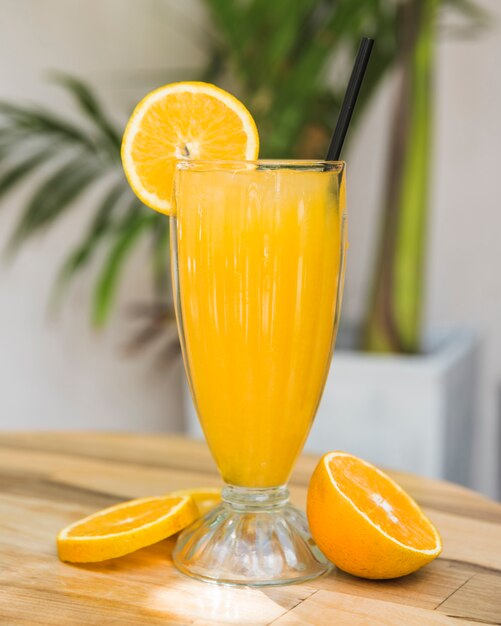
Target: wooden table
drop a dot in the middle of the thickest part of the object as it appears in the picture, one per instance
(49, 480)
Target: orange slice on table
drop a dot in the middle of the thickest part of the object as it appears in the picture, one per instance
(206, 498)
(191, 120)
(365, 523)
(124, 528)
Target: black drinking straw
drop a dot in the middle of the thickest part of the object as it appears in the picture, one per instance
(350, 99)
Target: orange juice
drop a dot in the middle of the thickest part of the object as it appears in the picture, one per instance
(259, 256)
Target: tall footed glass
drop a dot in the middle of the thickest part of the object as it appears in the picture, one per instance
(258, 261)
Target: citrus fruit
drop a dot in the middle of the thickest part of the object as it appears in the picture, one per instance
(124, 528)
(364, 522)
(206, 498)
(189, 120)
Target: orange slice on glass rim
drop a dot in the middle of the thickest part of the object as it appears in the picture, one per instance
(191, 120)
(365, 523)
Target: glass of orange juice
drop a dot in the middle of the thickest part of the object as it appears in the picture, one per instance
(258, 254)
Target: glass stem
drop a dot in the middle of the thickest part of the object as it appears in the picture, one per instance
(255, 499)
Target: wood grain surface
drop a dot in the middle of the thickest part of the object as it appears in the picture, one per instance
(48, 480)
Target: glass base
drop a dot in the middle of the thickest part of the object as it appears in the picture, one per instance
(255, 537)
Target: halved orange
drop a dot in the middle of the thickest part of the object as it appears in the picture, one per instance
(364, 522)
(183, 121)
(124, 528)
(206, 498)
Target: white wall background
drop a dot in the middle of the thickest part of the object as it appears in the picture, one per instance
(60, 373)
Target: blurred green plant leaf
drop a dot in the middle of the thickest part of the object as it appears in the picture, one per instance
(18, 171)
(55, 196)
(100, 226)
(89, 105)
(135, 223)
(28, 122)
(475, 18)
(471, 10)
